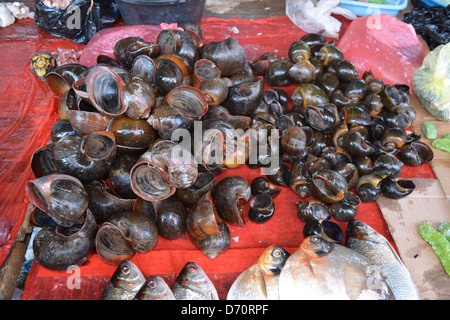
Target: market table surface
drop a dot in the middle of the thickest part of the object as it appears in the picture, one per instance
(170, 255)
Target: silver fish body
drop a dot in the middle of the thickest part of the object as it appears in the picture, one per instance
(155, 288)
(320, 270)
(192, 283)
(125, 282)
(371, 244)
(260, 281)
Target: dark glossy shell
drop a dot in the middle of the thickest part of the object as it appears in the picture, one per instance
(261, 185)
(58, 250)
(350, 172)
(393, 138)
(368, 187)
(389, 162)
(119, 175)
(42, 163)
(145, 67)
(228, 55)
(329, 186)
(204, 69)
(345, 70)
(302, 72)
(215, 91)
(132, 135)
(354, 143)
(124, 235)
(328, 81)
(168, 75)
(322, 118)
(86, 122)
(103, 203)
(166, 119)
(204, 183)
(138, 98)
(307, 94)
(345, 210)
(86, 158)
(61, 196)
(313, 209)
(327, 230)
(170, 218)
(261, 64)
(416, 153)
(299, 51)
(299, 179)
(329, 53)
(60, 129)
(356, 90)
(277, 74)
(279, 175)
(189, 100)
(215, 244)
(230, 195)
(244, 98)
(293, 142)
(61, 78)
(202, 219)
(396, 188)
(262, 208)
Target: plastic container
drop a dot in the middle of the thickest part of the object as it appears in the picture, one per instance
(155, 12)
(362, 9)
(434, 3)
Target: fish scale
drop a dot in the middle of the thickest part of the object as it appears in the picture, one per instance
(365, 240)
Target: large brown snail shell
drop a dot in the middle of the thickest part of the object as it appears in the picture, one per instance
(145, 67)
(41, 163)
(293, 141)
(261, 185)
(261, 64)
(328, 81)
(158, 172)
(132, 135)
(299, 51)
(138, 98)
(60, 249)
(302, 71)
(170, 218)
(119, 174)
(415, 153)
(307, 94)
(189, 100)
(168, 75)
(126, 50)
(228, 55)
(323, 118)
(244, 98)
(277, 74)
(87, 158)
(215, 91)
(204, 69)
(60, 79)
(354, 143)
(329, 186)
(262, 208)
(104, 88)
(329, 53)
(166, 119)
(299, 179)
(313, 209)
(345, 70)
(215, 244)
(124, 235)
(389, 162)
(61, 196)
(230, 195)
(202, 219)
(85, 122)
(189, 196)
(396, 188)
(368, 187)
(345, 210)
(60, 129)
(103, 203)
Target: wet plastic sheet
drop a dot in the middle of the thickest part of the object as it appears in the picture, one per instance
(28, 110)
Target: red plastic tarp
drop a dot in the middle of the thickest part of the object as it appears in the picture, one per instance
(29, 109)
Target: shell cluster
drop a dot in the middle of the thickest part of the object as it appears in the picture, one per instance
(109, 178)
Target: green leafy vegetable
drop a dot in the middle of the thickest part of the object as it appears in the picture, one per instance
(438, 242)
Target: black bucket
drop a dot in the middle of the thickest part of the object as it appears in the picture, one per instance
(155, 12)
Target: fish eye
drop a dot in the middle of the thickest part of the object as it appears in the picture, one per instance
(151, 284)
(277, 253)
(192, 270)
(125, 270)
(315, 239)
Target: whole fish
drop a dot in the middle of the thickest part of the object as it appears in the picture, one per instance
(260, 281)
(368, 242)
(155, 288)
(192, 283)
(125, 282)
(320, 270)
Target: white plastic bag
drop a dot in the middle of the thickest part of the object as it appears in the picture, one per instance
(315, 15)
(431, 82)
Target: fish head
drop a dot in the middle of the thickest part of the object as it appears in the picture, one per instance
(194, 278)
(155, 287)
(272, 260)
(316, 246)
(127, 276)
(361, 230)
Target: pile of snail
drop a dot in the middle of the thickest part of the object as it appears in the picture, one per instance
(107, 181)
